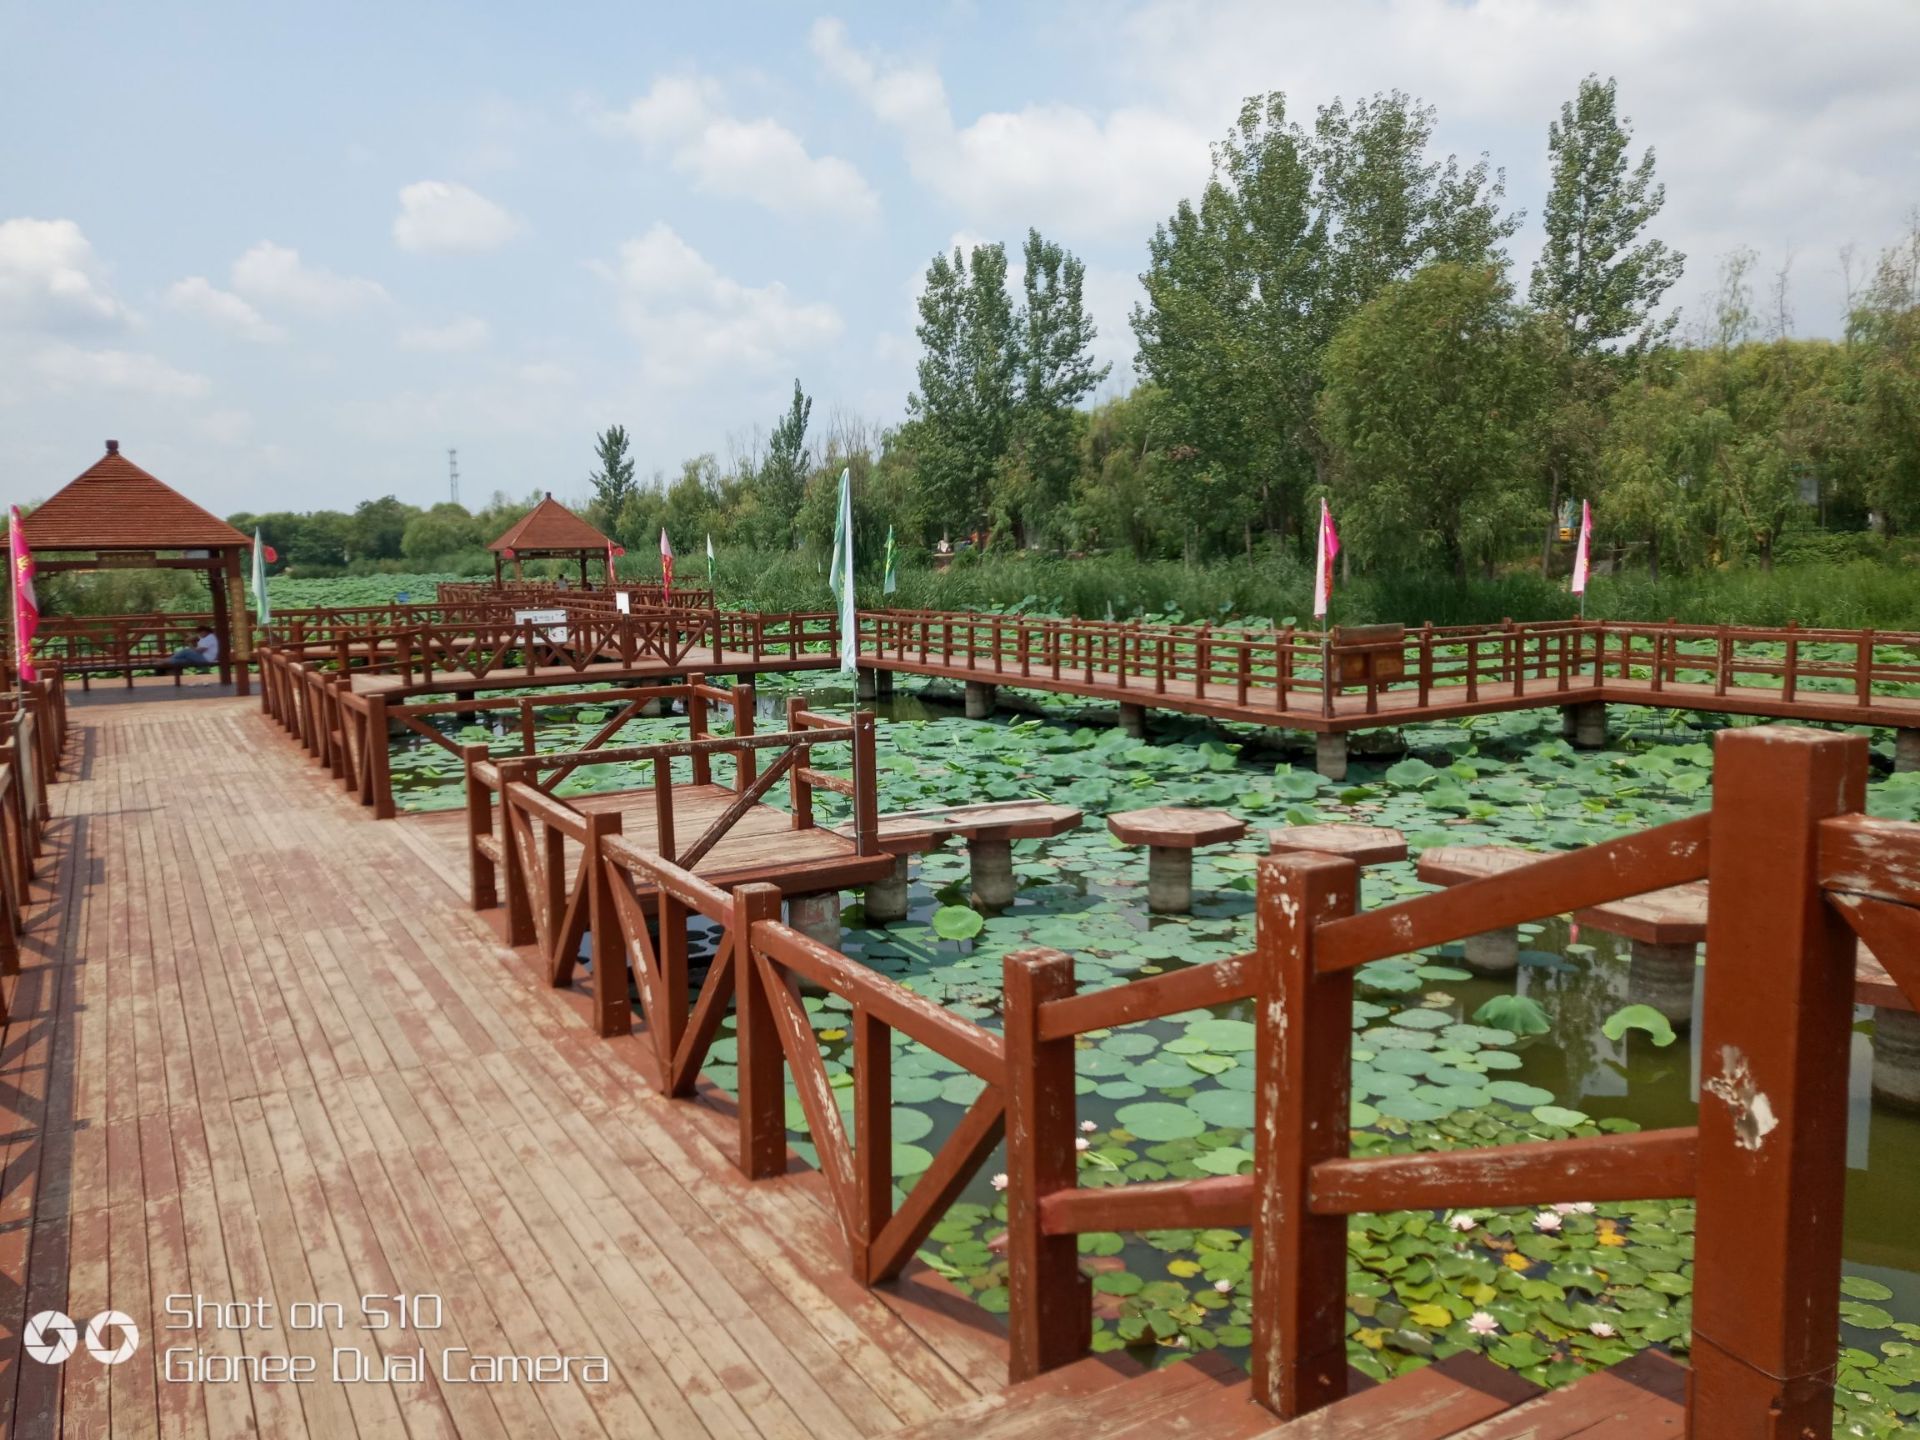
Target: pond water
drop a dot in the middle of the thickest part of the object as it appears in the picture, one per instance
(1548, 1293)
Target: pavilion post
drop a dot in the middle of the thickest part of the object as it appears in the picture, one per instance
(222, 622)
(242, 646)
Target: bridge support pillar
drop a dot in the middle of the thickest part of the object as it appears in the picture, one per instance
(1133, 720)
(1906, 750)
(1662, 976)
(886, 900)
(1330, 756)
(866, 685)
(883, 683)
(816, 916)
(1494, 952)
(990, 862)
(1896, 1058)
(1585, 724)
(1169, 880)
(979, 700)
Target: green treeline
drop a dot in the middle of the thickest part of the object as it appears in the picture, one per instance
(1334, 314)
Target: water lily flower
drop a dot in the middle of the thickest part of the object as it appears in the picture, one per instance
(1088, 1127)
(1603, 1329)
(1547, 1222)
(1563, 1208)
(1225, 1287)
(1000, 1181)
(1481, 1323)
(1462, 1222)
(1082, 1143)
(1585, 1207)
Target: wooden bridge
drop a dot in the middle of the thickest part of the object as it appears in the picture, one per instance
(259, 1050)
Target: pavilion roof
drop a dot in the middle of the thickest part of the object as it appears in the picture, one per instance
(550, 526)
(115, 505)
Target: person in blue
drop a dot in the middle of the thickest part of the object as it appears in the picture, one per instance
(203, 654)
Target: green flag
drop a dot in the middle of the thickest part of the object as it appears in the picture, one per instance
(890, 579)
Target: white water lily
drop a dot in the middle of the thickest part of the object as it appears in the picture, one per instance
(1481, 1323)
(1462, 1222)
(999, 1181)
(1088, 1127)
(1225, 1287)
(1547, 1222)
(1603, 1329)
(1082, 1143)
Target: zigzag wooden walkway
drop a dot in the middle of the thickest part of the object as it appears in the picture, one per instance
(261, 1051)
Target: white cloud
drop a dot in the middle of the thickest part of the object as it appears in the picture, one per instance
(1054, 165)
(685, 117)
(198, 296)
(49, 279)
(439, 217)
(469, 332)
(692, 320)
(72, 366)
(276, 275)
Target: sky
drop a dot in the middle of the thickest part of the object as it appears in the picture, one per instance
(289, 255)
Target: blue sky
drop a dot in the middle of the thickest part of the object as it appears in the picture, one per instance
(289, 255)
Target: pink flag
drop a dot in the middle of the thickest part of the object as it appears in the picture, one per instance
(1580, 555)
(26, 608)
(1323, 567)
(666, 563)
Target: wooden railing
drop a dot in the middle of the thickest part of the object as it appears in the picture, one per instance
(544, 594)
(1795, 873)
(32, 736)
(1556, 661)
(519, 831)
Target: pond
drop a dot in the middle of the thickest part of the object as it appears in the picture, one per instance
(1551, 1293)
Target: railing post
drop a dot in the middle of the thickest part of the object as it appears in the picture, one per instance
(520, 929)
(612, 1007)
(481, 892)
(1776, 1030)
(1303, 1069)
(872, 1138)
(1050, 1303)
(378, 760)
(761, 1087)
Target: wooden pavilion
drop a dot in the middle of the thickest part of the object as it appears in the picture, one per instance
(548, 531)
(116, 516)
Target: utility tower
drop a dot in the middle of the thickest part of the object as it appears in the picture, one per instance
(453, 475)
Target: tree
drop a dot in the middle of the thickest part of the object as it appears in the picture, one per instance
(783, 474)
(1431, 392)
(613, 481)
(1296, 230)
(966, 379)
(379, 526)
(1597, 276)
(1034, 480)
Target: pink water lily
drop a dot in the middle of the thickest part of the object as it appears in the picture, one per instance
(1082, 1143)
(999, 1181)
(1225, 1287)
(1088, 1127)
(1481, 1323)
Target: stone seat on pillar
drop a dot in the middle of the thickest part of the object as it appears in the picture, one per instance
(1496, 952)
(1363, 844)
(1171, 835)
(989, 831)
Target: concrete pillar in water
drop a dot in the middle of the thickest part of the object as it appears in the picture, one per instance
(991, 865)
(1906, 750)
(1494, 952)
(883, 682)
(1330, 756)
(816, 916)
(886, 900)
(1662, 976)
(1896, 1058)
(865, 687)
(1585, 724)
(1169, 879)
(1133, 720)
(979, 700)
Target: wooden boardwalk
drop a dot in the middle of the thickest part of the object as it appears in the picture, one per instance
(261, 1051)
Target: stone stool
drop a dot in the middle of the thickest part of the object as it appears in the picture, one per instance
(1664, 929)
(1495, 952)
(989, 831)
(1363, 844)
(1171, 835)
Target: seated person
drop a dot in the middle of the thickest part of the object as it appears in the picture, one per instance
(203, 654)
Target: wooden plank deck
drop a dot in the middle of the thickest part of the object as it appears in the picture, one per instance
(261, 1052)
(761, 846)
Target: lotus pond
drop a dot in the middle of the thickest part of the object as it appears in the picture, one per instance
(1441, 1057)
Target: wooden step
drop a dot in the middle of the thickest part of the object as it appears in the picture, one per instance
(1098, 1396)
(1433, 1402)
(1641, 1398)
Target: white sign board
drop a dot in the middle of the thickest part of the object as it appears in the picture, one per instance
(551, 623)
(623, 602)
